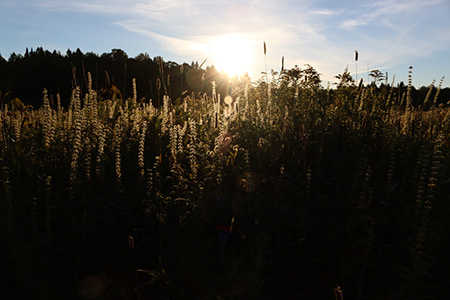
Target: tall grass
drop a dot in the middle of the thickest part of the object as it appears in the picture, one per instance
(333, 191)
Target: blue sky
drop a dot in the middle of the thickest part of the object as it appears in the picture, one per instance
(390, 35)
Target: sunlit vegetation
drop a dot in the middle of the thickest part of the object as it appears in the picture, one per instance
(337, 192)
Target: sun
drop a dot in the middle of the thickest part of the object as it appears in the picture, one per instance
(231, 53)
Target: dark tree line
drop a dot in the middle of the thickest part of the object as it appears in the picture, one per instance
(26, 76)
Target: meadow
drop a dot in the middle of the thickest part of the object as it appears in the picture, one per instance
(331, 194)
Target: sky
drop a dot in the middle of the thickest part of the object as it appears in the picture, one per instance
(389, 35)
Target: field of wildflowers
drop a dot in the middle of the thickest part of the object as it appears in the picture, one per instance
(322, 193)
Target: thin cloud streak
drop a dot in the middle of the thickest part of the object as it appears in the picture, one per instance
(178, 46)
(389, 12)
(91, 7)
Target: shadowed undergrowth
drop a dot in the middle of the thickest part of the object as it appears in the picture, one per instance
(330, 190)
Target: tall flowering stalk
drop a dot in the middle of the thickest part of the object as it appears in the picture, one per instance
(87, 158)
(173, 141)
(47, 120)
(192, 148)
(408, 93)
(101, 150)
(111, 108)
(17, 126)
(117, 140)
(89, 81)
(77, 138)
(181, 134)
(136, 119)
(430, 193)
(134, 99)
(430, 89)
(259, 114)
(220, 139)
(141, 149)
(165, 114)
(59, 108)
(438, 90)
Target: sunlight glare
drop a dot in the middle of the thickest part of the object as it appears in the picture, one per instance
(231, 54)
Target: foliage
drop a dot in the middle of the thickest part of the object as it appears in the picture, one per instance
(376, 75)
(330, 191)
(27, 75)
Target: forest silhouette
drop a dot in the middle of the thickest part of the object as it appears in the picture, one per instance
(24, 77)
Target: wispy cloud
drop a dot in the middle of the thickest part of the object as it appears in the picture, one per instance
(325, 12)
(114, 7)
(177, 45)
(397, 27)
(323, 34)
(350, 24)
(398, 13)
